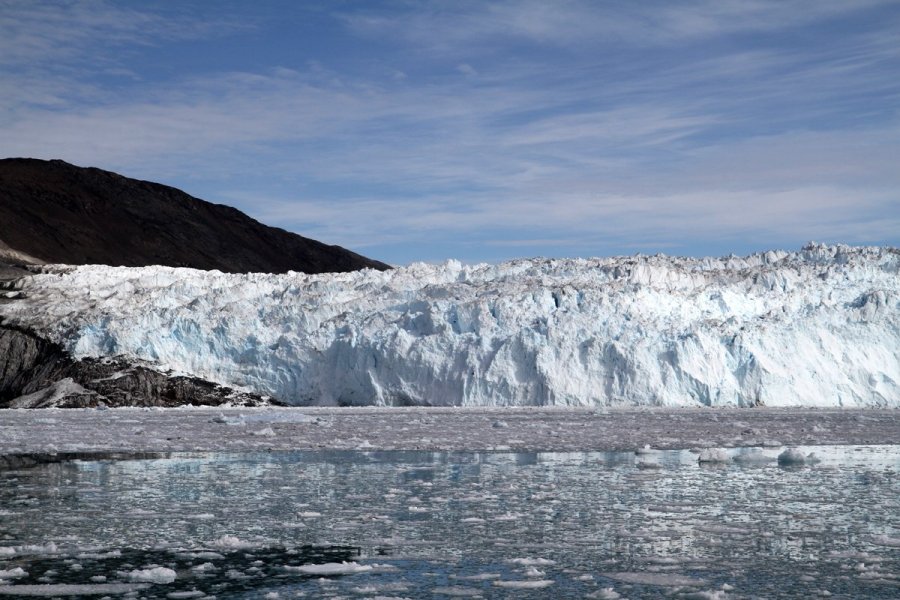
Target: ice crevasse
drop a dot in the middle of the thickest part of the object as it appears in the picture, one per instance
(818, 327)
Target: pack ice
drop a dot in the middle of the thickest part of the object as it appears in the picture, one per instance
(819, 327)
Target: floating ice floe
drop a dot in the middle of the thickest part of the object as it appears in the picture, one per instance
(69, 589)
(49, 548)
(661, 579)
(232, 542)
(713, 456)
(153, 575)
(704, 595)
(883, 540)
(457, 591)
(794, 457)
(606, 593)
(341, 568)
(752, 456)
(13, 573)
(531, 584)
(530, 562)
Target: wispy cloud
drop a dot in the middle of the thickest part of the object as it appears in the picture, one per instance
(467, 27)
(41, 31)
(603, 223)
(569, 127)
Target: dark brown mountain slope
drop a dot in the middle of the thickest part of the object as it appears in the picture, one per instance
(60, 213)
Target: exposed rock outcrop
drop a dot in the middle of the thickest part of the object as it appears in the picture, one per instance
(35, 373)
(28, 363)
(51, 211)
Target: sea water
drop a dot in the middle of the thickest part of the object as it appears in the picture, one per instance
(650, 524)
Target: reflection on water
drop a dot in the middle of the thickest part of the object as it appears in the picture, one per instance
(419, 524)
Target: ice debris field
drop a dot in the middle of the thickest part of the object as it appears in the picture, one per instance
(55, 434)
(402, 525)
(818, 327)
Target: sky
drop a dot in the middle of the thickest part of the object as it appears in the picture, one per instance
(482, 131)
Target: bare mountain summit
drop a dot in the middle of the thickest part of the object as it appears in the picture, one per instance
(55, 212)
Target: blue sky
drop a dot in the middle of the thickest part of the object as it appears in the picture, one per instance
(481, 130)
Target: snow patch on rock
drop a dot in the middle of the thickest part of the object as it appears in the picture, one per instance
(52, 395)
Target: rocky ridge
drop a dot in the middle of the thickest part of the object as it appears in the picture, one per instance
(55, 212)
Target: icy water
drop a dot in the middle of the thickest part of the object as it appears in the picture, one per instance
(440, 525)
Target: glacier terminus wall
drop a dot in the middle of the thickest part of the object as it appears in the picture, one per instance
(818, 327)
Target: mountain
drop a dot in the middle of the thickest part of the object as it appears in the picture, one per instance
(55, 212)
(818, 327)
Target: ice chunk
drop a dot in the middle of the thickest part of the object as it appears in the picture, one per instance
(713, 455)
(49, 548)
(661, 579)
(533, 584)
(530, 562)
(232, 542)
(479, 577)
(606, 593)
(706, 595)
(153, 575)
(752, 457)
(341, 568)
(458, 591)
(70, 589)
(794, 457)
(883, 540)
(13, 573)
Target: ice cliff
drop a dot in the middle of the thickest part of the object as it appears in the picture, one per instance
(819, 327)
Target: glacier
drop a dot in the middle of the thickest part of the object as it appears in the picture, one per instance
(817, 327)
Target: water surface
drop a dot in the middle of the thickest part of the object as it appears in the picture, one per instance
(431, 525)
